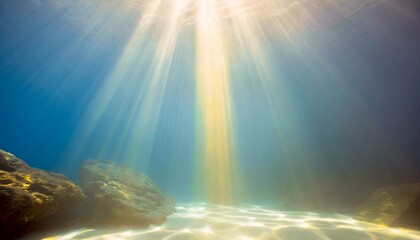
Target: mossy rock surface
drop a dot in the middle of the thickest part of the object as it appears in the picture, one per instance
(30, 196)
(120, 196)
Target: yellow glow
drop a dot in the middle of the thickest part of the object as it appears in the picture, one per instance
(217, 150)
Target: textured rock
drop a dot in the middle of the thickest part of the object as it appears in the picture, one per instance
(29, 196)
(396, 206)
(120, 196)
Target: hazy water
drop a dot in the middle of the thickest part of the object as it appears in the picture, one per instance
(323, 95)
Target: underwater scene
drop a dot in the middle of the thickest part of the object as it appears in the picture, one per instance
(210, 119)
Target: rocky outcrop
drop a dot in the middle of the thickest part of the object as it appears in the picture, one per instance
(120, 196)
(30, 197)
(396, 206)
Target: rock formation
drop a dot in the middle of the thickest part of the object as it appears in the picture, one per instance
(396, 206)
(120, 196)
(30, 196)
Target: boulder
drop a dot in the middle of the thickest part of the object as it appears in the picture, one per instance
(120, 196)
(30, 197)
(396, 206)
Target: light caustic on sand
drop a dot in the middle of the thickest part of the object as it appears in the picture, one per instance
(208, 221)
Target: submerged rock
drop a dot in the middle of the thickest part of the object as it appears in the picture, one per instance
(120, 196)
(30, 196)
(396, 206)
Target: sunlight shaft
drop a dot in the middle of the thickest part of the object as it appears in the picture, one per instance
(216, 153)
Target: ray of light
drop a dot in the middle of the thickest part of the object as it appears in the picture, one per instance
(139, 97)
(214, 106)
(131, 98)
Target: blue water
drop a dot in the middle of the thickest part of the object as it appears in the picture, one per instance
(353, 127)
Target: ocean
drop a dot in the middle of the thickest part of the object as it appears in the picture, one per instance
(271, 119)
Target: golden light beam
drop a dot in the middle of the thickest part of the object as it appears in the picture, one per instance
(216, 153)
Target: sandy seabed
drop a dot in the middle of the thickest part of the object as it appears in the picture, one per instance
(207, 221)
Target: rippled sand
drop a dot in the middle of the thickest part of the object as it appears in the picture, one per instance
(206, 221)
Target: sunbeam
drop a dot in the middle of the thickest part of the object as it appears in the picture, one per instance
(126, 108)
(215, 127)
(129, 102)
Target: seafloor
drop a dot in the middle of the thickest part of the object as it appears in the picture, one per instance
(208, 221)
